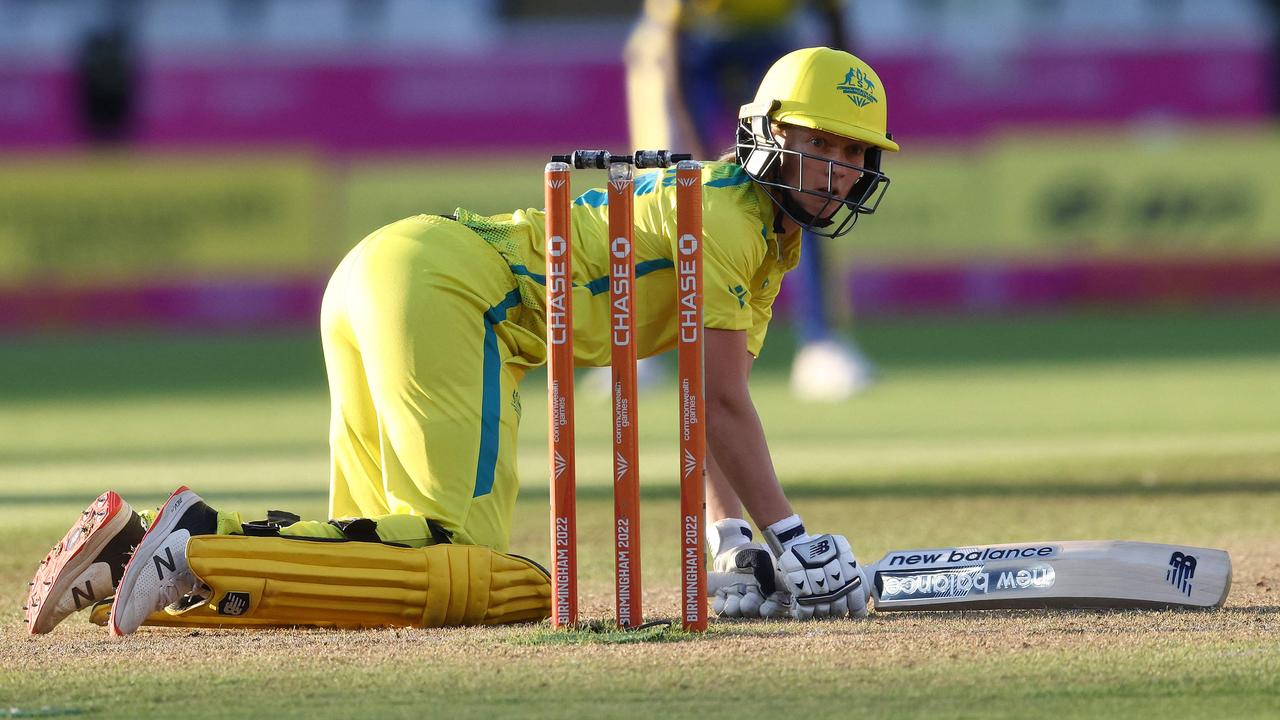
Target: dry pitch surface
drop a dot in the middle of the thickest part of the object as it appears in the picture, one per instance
(1169, 434)
(984, 664)
(987, 664)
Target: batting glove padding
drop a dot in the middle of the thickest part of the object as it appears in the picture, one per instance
(758, 595)
(824, 577)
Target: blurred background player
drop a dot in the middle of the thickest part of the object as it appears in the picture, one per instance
(107, 78)
(688, 62)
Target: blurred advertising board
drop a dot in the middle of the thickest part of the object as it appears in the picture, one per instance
(123, 218)
(1213, 191)
(527, 94)
(514, 98)
(377, 192)
(1117, 193)
(938, 204)
(236, 240)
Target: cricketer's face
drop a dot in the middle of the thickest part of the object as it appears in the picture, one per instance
(814, 173)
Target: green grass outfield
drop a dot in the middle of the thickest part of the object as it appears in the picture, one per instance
(1159, 426)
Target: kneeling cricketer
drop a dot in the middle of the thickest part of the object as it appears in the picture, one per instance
(429, 325)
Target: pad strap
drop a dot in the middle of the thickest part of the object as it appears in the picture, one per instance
(358, 529)
(270, 527)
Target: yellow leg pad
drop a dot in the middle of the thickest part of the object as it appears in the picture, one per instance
(260, 581)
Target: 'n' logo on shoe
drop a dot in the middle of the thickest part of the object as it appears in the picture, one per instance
(87, 595)
(160, 562)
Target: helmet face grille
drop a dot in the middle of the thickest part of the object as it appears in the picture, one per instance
(760, 155)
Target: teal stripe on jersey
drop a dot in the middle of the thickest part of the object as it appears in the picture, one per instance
(601, 284)
(593, 198)
(490, 403)
(526, 272)
(737, 178)
(646, 183)
(597, 285)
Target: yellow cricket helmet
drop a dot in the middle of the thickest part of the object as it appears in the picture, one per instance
(822, 89)
(825, 89)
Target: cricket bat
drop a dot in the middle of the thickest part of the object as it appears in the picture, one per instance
(1051, 574)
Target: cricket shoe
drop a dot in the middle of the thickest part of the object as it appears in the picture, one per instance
(158, 574)
(86, 565)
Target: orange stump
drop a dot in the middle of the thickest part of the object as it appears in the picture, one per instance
(626, 440)
(559, 252)
(693, 438)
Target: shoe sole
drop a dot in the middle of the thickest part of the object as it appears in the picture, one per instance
(160, 528)
(105, 518)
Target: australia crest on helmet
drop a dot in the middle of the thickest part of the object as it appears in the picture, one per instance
(858, 87)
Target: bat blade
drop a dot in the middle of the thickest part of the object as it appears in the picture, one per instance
(1061, 574)
(1112, 574)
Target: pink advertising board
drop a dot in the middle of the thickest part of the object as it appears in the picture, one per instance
(535, 98)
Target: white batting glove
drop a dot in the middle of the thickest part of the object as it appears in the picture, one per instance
(825, 578)
(820, 572)
(734, 553)
(743, 599)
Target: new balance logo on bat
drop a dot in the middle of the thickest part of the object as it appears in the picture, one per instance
(967, 556)
(1029, 578)
(1182, 568)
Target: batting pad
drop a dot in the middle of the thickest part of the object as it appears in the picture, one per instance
(273, 582)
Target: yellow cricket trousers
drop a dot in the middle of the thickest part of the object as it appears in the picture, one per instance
(423, 378)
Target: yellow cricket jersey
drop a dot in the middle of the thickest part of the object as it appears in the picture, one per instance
(743, 261)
